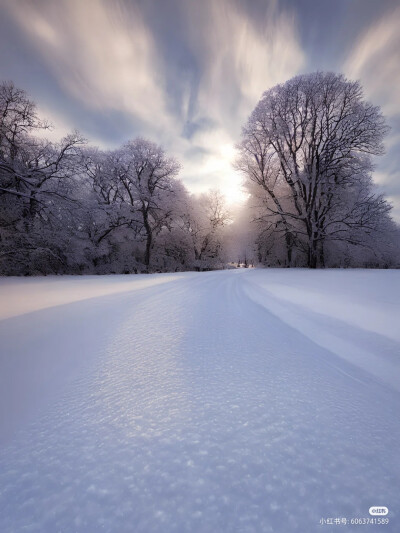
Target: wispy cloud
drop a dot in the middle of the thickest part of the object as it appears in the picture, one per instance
(100, 52)
(107, 57)
(239, 60)
(375, 61)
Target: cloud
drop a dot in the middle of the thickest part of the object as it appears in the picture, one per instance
(376, 59)
(111, 58)
(100, 52)
(239, 60)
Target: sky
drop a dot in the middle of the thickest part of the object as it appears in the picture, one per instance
(187, 73)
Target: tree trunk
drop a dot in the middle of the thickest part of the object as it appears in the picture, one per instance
(289, 248)
(321, 254)
(312, 253)
(147, 254)
(149, 240)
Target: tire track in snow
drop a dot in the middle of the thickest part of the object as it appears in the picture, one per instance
(375, 355)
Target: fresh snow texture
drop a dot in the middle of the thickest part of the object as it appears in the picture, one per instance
(234, 401)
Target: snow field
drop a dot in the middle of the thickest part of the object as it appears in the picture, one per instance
(210, 403)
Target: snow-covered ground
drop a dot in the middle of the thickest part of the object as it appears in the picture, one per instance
(233, 401)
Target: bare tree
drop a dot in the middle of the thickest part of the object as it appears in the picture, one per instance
(205, 219)
(308, 146)
(35, 183)
(18, 118)
(146, 178)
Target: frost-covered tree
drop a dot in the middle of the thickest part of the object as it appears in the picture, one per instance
(306, 153)
(174, 247)
(205, 220)
(136, 193)
(146, 183)
(101, 169)
(35, 187)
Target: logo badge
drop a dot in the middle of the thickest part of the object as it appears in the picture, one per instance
(378, 511)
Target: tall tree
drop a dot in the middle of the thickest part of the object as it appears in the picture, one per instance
(146, 182)
(308, 147)
(35, 184)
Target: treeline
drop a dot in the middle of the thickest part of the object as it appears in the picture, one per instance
(66, 207)
(69, 208)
